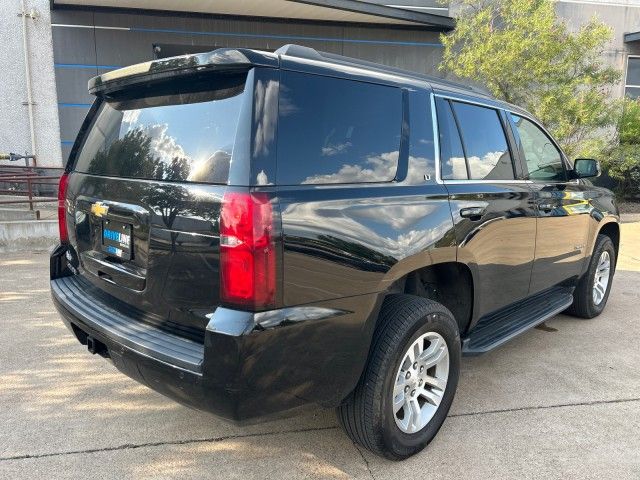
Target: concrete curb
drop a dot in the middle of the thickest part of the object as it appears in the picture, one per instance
(28, 235)
(9, 214)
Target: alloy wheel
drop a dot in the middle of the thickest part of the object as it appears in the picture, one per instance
(601, 280)
(420, 382)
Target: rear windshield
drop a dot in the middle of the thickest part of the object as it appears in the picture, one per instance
(165, 133)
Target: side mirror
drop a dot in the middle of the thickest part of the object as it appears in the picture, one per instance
(586, 168)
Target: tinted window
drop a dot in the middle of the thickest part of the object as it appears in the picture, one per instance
(452, 162)
(544, 161)
(337, 131)
(177, 136)
(421, 151)
(484, 142)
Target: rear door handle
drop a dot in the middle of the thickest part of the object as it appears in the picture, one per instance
(472, 213)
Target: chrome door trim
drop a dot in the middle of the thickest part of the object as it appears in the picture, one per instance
(467, 182)
(465, 100)
(436, 136)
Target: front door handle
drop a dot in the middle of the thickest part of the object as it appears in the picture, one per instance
(472, 213)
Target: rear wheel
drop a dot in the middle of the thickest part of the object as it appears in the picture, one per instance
(592, 292)
(410, 380)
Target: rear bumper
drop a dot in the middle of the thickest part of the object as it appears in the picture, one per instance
(150, 361)
(250, 366)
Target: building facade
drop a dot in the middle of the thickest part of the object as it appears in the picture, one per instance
(622, 52)
(70, 41)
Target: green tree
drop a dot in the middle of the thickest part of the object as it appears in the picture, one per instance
(524, 54)
(622, 162)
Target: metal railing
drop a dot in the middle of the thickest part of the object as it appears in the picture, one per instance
(35, 184)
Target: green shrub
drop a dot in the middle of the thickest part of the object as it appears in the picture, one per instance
(622, 163)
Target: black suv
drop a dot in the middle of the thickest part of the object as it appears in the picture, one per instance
(248, 232)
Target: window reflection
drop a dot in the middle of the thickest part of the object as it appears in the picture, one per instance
(337, 131)
(453, 165)
(265, 99)
(177, 137)
(421, 145)
(544, 161)
(374, 169)
(456, 168)
(484, 141)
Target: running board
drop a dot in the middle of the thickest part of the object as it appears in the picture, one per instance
(495, 329)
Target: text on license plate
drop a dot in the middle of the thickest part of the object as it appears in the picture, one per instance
(121, 238)
(116, 239)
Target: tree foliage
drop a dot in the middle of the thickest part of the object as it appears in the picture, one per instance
(524, 54)
(623, 160)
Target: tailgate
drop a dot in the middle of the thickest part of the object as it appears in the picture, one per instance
(171, 269)
(146, 182)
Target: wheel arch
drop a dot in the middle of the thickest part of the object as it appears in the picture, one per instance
(460, 278)
(609, 226)
(611, 230)
(448, 283)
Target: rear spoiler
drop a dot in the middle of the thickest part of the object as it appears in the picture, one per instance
(222, 59)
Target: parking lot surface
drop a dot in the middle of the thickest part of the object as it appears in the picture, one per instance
(560, 401)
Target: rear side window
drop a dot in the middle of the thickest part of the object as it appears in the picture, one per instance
(421, 166)
(165, 133)
(453, 165)
(332, 130)
(544, 161)
(484, 142)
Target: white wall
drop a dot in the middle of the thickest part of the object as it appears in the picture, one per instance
(14, 120)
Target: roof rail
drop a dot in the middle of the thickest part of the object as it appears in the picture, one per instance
(298, 51)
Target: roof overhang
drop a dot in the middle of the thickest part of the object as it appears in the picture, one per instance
(349, 11)
(632, 37)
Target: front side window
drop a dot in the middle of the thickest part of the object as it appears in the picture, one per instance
(484, 141)
(544, 161)
(332, 130)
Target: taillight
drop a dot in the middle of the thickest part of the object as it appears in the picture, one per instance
(247, 251)
(62, 217)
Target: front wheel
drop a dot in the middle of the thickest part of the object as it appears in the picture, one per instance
(409, 383)
(592, 291)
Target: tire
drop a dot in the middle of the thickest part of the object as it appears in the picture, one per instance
(367, 416)
(584, 304)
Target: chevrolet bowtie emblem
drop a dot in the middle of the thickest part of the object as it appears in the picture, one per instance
(99, 209)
